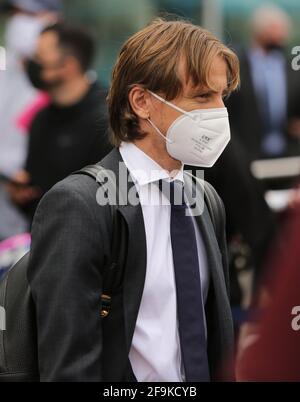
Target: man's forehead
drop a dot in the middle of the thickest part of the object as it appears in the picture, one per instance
(217, 77)
(47, 43)
(216, 84)
(48, 39)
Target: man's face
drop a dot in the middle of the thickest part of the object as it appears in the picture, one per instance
(275, 34)
(192, 98)
(50, 56)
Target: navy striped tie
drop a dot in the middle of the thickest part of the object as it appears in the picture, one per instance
(190, 309)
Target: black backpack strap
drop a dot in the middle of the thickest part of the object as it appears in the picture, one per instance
(118, 246)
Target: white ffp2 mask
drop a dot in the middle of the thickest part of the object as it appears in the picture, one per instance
(196, 138)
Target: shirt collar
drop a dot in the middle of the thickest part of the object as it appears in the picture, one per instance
(143, 169)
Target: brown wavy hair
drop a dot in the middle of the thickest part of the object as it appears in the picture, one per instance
(150, 59)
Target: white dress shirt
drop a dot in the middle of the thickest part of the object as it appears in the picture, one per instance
(155, 349)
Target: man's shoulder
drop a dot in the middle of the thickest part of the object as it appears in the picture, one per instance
(76, 188)
(84, 185)
(40, 120)
(76, 182)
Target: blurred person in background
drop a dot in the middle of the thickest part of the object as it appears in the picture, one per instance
(71, 131)
(269, 344)
(26, 19)
(264, 113)
(251, 225)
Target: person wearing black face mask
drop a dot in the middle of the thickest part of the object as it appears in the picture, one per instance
(24, 20)
(264, 111)
(71, 132)
(35, 71)
(259, 113)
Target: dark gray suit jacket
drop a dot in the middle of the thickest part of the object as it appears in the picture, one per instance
(71, 238)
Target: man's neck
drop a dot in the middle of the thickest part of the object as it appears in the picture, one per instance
(71, 92)
(156, 150)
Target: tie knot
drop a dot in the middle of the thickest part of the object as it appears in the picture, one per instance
(173, 191)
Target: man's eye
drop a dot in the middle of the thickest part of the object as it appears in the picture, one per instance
(205, 96)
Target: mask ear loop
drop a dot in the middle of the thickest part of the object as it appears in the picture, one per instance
(169, 103)
(190, 114)
(159, 132)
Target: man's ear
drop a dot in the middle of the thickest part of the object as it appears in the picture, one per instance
(139, 100)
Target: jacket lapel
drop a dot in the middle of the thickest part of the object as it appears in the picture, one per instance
(135, 268)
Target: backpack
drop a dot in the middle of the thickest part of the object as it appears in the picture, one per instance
(18, 334)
